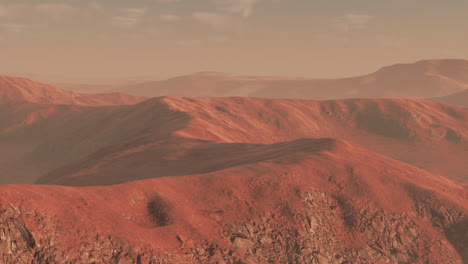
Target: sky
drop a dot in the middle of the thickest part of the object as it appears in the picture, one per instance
(103, 40)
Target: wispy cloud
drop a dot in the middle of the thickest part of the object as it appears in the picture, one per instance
(55, 11)
(243, 7)
(167, 1)
(215, 20)
(169, 18)
(128, 18)
(352, 22)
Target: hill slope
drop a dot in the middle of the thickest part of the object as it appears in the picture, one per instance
(460, 99)
(307, 201)
(15, 89)
(424, 79)
(38, 138)
(156, 137)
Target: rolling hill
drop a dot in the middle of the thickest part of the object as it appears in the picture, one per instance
(232, 180)
(206, 134)
(40, 139)
(304, 201)
(17, 90)
(423, 79)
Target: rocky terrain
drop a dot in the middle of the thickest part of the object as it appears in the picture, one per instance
(231, 180)
(313, 206)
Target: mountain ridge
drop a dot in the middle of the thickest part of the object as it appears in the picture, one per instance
(423, 79)
(318, 199)
(18, 89)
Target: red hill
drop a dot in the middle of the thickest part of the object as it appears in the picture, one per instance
(14, 89)
(180, 136)
(306, 201)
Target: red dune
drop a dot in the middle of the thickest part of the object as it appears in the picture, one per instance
(424, 79)
(306, 201)
(15, 89)
(460, 99)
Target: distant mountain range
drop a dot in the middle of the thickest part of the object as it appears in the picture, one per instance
(424, 79)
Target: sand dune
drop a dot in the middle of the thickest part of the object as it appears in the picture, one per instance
(15, 89)
(424, 79)
(309, 200)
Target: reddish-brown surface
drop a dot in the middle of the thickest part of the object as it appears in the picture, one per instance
(460, 98)
(310, 199)
(180, 136)
(424, 79)
(15, 89)
(234, 180)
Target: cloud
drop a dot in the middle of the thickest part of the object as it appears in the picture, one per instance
(352, 22)
(16, 27)
(55, 11)
(42, 12)
(169, 18)
(95, 5)
(167, 1)
(129, 18)
(214, 20)
(243, 7)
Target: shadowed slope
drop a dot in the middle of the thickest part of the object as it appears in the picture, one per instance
(15, 89)
(428, 78)
(313, 201)
(38, 138)
(177, 157)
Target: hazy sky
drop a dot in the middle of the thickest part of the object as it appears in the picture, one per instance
(99, 39)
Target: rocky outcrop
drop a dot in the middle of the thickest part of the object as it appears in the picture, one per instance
(326, 229)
